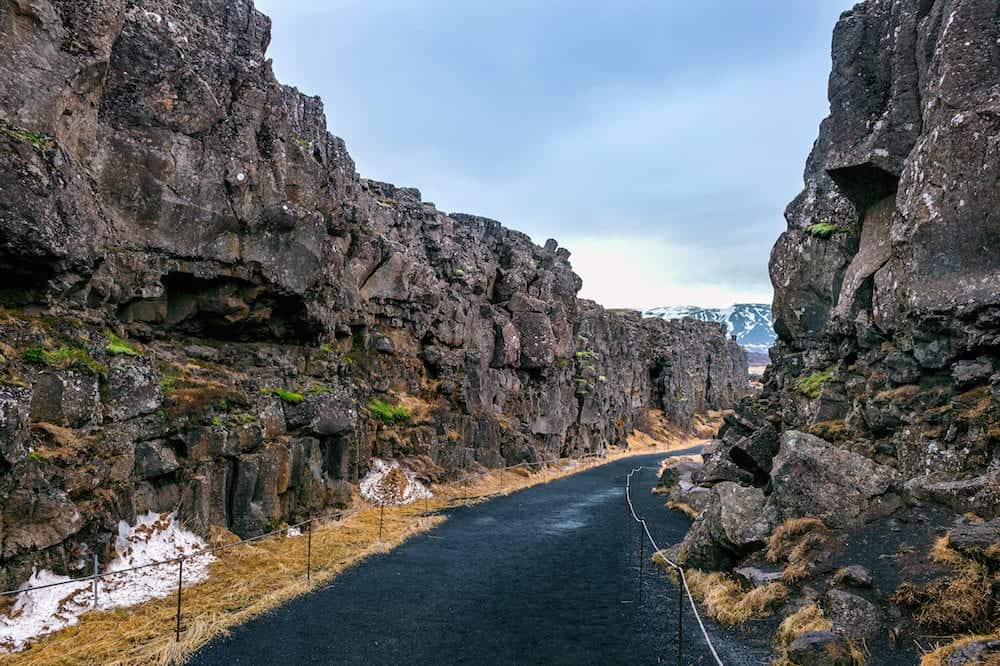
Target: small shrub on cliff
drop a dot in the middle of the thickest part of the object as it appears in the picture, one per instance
(64, 357)
(38, 140)
(824, 230)
(388, 413)
(289, 397)
(118, 346)
(810, 385)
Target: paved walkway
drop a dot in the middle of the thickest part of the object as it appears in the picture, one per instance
(541, 576)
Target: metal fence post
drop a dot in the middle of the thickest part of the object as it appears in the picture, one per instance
(680, 618)
(180, 586)
(95, 580)
(381, 513)
(309, 553)
(642, 563)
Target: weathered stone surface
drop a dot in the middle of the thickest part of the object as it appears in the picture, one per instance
(974, 652)
(65, 398)
(36, 519)
(132, 389)
(854, 575)
(153, 459)
(977, 539)
(819, 648)
(14, 411)
(853, 616)
(812, 478)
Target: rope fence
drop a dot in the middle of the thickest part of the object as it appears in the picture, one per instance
(304, 525)
(630, 512)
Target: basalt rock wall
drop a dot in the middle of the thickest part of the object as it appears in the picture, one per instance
(206, 309)
(887, 282)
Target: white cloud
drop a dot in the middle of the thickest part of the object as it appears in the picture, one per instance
(645, 272)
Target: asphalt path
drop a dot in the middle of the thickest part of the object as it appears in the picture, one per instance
(546, 575)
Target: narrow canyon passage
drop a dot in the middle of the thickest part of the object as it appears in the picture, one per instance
(542, 576)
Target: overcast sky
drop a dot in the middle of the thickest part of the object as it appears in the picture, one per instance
(658, 140)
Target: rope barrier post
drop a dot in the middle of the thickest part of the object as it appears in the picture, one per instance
(95, 580)
(642, 564)
(180, 586)
(381, 514)
(680, 621)
(309, 553)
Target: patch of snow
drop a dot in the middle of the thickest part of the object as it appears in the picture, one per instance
(154, 538)
(390, 483)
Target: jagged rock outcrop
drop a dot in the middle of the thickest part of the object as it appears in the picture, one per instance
(887, 308)
(203, 301)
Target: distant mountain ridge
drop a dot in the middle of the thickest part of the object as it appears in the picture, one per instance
(751, 323)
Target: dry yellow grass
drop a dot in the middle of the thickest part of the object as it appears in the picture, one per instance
(960, 602)
(939, 656)
(684, 508)
(250, 579)
(725, 600)
(806, 619)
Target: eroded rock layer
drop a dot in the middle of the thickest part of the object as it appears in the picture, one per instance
(207, 310)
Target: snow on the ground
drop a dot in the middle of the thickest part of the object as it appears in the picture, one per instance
(154, 538)
(390, 483)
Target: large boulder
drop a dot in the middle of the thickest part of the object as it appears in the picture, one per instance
(819, 648)
(734, 524)
(812, 478)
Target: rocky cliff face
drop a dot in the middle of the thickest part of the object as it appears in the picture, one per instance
(888, 279)
(883, 391)
(207, 310)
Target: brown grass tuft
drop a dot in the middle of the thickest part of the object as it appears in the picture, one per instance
(725, 600)
(684, 508)
(787, 536)
(958, 603)
(939, 656)
(806, 619)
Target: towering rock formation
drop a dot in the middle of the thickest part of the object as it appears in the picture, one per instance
(884, 386)
(204, 303)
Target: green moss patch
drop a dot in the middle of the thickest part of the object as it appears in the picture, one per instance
(810, 385)
(388, 413)
(825, 230)
(118, 346)
(65, 356)
(289, 397)
(37, 139)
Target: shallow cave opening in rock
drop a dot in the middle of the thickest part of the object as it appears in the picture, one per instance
(25, 279)
(865, 184)
(743, 460)
(225, 308)
(658, 371)
(335, 457)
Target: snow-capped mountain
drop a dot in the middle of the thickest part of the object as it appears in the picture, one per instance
(751, 323)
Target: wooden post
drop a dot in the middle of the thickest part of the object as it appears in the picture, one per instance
(680, 618)
(180, 586)
(309, 552)
(642, 563)
(381, 514)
